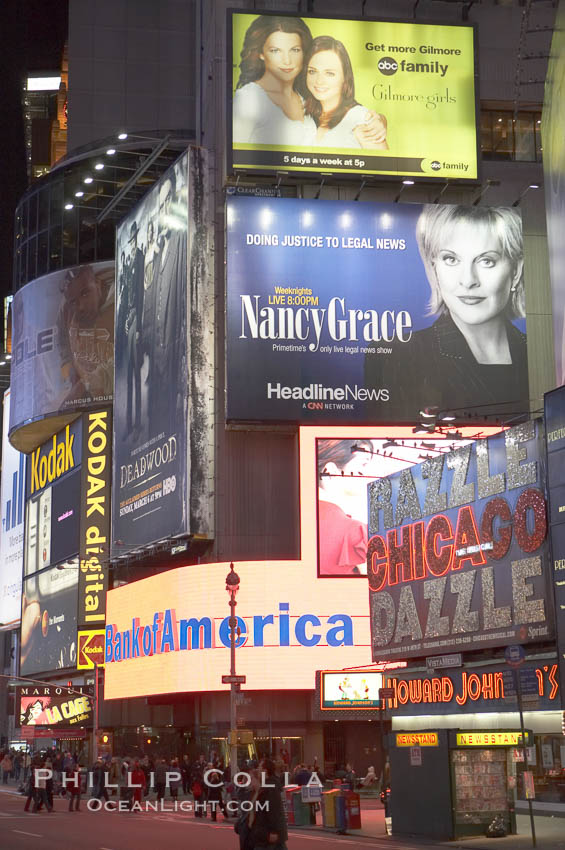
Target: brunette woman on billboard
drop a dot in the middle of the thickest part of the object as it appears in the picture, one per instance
(473, 359)
(342, 538)
(268, 104)
(331, 99)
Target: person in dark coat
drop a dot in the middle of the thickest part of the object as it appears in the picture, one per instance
(215, 788)
(99, 790)
(74, 790)
(267, 824)
(30, 788)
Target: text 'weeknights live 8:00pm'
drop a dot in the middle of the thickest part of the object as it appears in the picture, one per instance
(364, 97)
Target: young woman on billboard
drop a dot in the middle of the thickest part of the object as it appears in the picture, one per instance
(342, 536)
(473, 358)
(331, 98)
(269, 101)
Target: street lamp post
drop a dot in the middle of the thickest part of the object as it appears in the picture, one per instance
(232, 586)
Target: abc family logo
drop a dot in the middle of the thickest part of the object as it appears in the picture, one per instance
(388, 66)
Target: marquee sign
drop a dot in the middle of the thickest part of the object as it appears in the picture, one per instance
(53, 706)
(457, 555)
(471, 690)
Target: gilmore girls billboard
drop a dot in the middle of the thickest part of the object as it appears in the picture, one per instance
(352, 96)
(458, 555)
(343, 313)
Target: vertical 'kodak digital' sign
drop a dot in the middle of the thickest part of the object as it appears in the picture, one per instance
(95, 518)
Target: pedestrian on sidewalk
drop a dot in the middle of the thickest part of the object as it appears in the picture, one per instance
(175, 784)
(41, 790)
(139, 782)
(161, 778)
(185, 770)
(99, 790)
(30, 790)
(216, 795)
(74, 789)
(199, 793)
(6, 764)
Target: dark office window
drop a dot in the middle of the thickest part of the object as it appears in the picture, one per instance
(509, 136)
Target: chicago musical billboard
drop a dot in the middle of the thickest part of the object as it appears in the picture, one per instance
(458, 555)
(344, 313)
(162, 479)
(345, 96)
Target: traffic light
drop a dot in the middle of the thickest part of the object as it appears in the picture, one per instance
(105, 742)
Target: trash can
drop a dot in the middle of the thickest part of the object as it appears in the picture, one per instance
(340, 821)
(288, 804)
(352, 810)
(301, 810)
(328, 808)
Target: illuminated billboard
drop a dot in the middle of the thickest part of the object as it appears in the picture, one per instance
(53, 499)
(170, 632)
(12, 536)
(554, 417)
(553, 118)
(348, 313)
(347, 461)
(352, 96)
(458, 556)
(345, 690)
(49, 620)
(54, 706)
(472, 690)
(163, 470)
(62, 350)
(94, 548)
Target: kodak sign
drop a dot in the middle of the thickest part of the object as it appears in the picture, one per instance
(95, 519)
(90, 649)
(55, 458)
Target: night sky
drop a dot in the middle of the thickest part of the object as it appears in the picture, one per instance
(32, 37)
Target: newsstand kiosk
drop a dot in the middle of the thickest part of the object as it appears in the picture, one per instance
(450, 783)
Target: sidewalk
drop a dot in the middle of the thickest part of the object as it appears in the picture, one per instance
(550, 832)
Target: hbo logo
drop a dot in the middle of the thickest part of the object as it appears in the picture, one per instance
(387, 66)
(169, 485)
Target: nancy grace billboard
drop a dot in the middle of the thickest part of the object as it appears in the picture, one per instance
(162, 453)
(62, 349)
(458, 553)
(343, 313)
(352, 96)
